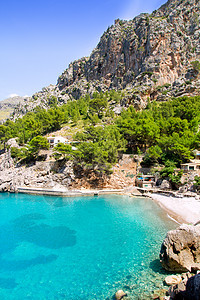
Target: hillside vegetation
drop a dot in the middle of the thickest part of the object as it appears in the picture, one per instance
(167, 132)
(137, 93)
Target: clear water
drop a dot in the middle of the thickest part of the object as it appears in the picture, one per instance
(79, 248)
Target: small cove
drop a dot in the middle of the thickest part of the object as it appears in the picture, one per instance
(81, 247)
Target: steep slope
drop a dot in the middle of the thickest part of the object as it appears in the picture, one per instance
(150, 50)
(8, 105)
(153, 56)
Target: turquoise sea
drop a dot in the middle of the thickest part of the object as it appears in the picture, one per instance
(81, 247)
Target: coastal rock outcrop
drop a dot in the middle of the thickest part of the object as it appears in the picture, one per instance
(165, 185)
(187, 289)
(47, 174)
(6, 162)
(180, 250)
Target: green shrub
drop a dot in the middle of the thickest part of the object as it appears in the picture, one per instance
(196, 66)
(18, 153)
(197, 181)
(147, 73)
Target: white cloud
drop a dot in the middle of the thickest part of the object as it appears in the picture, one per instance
(13, 95)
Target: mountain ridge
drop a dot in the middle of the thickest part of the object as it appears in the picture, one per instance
(149, 58)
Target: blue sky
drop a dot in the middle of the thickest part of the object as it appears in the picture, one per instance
(40, 38)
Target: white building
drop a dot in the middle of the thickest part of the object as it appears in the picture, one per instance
(193, 165)
(54, 140)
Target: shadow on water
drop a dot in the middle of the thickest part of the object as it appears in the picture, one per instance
(43, 235)
(23, 264)
(155, 265)
(7, 283)
(28, 228)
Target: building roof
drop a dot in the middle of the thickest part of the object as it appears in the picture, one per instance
(192, 163)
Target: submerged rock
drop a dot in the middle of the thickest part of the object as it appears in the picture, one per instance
(180, 250)
(159, 294)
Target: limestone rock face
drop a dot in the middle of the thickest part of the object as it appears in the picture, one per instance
(8, 105)
(6, 161)
(180, 250)
(13, 143)
(39, 175)
(150, 50)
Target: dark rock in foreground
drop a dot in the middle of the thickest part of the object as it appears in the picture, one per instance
(187, 289)
(180, 250)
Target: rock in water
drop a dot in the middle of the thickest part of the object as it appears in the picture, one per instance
(187, 289)
(177, 291)
(119, 295)
(180, 250)
(173, 279)
(193, 288)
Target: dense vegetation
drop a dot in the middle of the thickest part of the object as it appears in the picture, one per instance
(41, 121)
(164, 131)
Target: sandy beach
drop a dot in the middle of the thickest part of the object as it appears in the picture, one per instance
(183, 210)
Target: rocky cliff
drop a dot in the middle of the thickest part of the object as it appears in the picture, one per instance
(160, 46)
(154, 56)
(8, 105)
(48, 173)
(42, 174)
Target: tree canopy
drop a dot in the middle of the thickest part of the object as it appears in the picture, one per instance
(163, 131)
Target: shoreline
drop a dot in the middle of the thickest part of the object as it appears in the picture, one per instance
(180, 210)
(66, 193)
